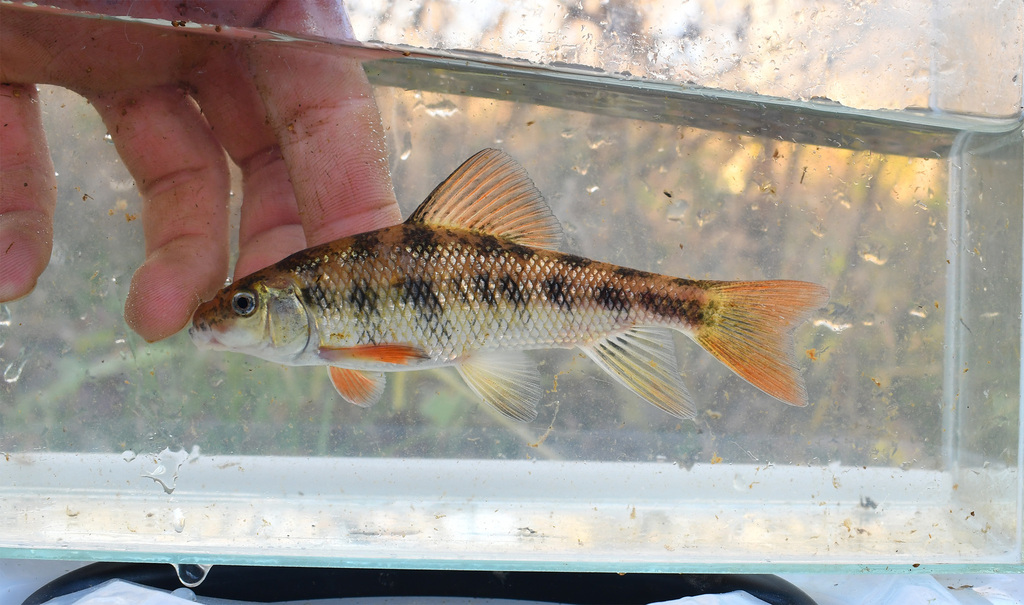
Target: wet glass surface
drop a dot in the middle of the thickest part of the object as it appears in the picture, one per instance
(909, 451)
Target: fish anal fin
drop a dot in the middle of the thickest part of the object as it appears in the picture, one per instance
(398, 354)
(358, 387)
(507, 381)
(643, 359)
(491, 193)
(749, 328)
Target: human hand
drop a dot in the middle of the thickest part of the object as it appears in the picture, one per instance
(302, 126)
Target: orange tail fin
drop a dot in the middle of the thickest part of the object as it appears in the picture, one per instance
(749, 327)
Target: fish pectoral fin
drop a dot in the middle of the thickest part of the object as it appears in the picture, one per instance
(358, 387)
(398, 354)
(644, 360)
(507, 381)
(491, 193)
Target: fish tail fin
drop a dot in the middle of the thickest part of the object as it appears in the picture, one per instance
(749, 327)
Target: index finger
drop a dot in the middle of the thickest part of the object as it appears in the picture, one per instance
(28, 192)
(322, 109)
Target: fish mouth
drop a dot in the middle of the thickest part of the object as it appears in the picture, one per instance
(203, 336)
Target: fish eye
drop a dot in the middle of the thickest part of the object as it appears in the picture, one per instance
(243, 303)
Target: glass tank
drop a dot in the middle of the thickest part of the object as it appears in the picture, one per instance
(907, 458)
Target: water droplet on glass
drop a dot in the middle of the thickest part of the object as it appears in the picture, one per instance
(5, 316)
(444, 109)
(13, 370)
(836, 327)
(191, 574)
(168, 464)
(676, 211)
(128, 455)
(704, 217)
(873, 253)
(184, 593)
(227, 281)
(843, 200)
(108, 138)
(178, 520)
(406, 145)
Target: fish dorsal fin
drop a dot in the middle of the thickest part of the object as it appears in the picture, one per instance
(644, 360)
(508, 381)
(491, 193)
(358, 387)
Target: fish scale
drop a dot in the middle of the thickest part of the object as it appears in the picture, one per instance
(472, 280)
(464, 321)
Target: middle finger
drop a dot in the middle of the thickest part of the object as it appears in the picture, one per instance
(181, 172)
(270, 227)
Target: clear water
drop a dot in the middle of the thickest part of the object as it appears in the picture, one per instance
(908, 457)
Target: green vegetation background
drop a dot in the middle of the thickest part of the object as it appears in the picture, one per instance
(681, 200)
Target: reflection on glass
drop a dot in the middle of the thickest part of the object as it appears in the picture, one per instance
(908, 451)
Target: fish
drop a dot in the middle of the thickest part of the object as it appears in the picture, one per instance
(473, 279)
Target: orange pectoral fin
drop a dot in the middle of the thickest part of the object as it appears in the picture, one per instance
(360, 388)
(398, 354)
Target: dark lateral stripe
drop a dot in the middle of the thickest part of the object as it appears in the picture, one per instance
(685, 310)
(312, 296)
(363, 296)
(612, 298)
(315, 294)
(420, 293)
(558, 293)
(511, 291)
(482, 287)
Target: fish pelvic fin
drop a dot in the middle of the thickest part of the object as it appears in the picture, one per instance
(507, 381)
(749, 327)
(358, 387)
(491, 193)
(643, 359)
